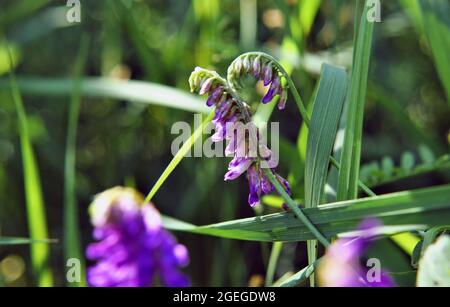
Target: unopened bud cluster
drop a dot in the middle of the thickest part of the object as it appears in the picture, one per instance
(261, 68)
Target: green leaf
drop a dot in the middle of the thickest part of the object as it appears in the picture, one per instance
(37, 222)
(328, 103)
(374, 176)
(407, 161)
(351, 152)
(136, 91)
(424, 208)
(72, 237)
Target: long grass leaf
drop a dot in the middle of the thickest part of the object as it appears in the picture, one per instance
(72, 237)
(22, 241)
(399, 212)
(327, 110)
(37, 221)
(351, 152)
(135, 91)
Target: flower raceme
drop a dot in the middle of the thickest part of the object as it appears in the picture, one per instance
(233, 122)
(133, 249)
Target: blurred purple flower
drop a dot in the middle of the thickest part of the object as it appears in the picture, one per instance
(133, 249)
(341, 265)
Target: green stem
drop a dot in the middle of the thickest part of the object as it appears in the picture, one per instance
(178, 157)
(274, 255)
(295, 208)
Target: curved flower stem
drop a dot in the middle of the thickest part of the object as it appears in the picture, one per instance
(302, 108)
(297, 98)
(295, 208)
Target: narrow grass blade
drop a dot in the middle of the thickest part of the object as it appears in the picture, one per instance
(351, 152)
(273, 260)
(178, 157)
(135, 91)
(327, 110)
(37, 221)
(436, 26)
(22, 241)
(72, 237)
(249, 23)
(417, 209)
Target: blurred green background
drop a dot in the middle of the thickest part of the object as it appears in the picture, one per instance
(121, 142)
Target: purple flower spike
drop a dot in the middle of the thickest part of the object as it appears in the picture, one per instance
(269, 96)
(133, 249)
(232, 144)
(257, 67)
(341, 265)
(246, 65)
(273, 90)
(254, 182)
(267, 74)
(214, 97)
(237, 167)
(222, 109)
(206, 86)
(266, 186)
(284, 183)
(220, 134)
(283, 99)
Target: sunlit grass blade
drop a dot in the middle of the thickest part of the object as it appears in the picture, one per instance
(72, 237)
(351, 152)
(178, 157)
(328, 103)
(37, 221)
(22, 241)
(399, 212)
(135, 91)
